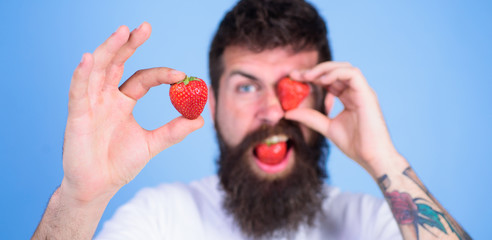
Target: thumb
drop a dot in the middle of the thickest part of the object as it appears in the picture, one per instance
(311, 118)
(171, 133)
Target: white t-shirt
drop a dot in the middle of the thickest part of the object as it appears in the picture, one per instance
(194, 211)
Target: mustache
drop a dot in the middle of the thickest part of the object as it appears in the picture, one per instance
(289, 128)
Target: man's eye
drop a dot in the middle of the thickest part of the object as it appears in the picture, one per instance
(246, 88)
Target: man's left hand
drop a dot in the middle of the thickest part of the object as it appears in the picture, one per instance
(359, 130)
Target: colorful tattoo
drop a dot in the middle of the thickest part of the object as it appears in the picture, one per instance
(416, 211)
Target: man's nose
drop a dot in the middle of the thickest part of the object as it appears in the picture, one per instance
(270, 110)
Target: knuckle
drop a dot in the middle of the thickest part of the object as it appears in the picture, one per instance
(174, 138)
(374, 94)
(357, 70)
(77, 72)
(174, 135)
(139, 74)
(72, 94)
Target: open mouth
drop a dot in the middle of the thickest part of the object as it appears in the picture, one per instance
(272, 155)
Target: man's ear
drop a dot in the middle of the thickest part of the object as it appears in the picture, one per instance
(329, 102)
(211, 102)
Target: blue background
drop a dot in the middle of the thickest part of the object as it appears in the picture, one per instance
(429, 62)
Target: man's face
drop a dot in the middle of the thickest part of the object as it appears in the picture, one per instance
(266, 199)
(247, 98)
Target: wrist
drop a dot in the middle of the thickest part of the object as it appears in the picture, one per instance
(387, 164)
(87, 198)
(67, 217)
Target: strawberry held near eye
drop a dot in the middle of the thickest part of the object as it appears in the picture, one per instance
(189, 96)
(291, 93)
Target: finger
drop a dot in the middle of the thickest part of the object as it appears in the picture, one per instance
(140, 83)
(329, 103)
(337, 88)
(107, 51)
(171, 133)
(80, 78)
(324, 68)
(311, 118)
(79, 84)
(137, 38)
(347, 77)
(317, 71)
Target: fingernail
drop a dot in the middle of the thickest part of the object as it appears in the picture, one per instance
(176, 72)
(301, 72)
(82, 60)
(139, 27)
(116, 30)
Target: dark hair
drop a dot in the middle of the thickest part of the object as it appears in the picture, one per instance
(267, 24)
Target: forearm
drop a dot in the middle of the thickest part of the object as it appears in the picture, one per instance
(66, 218)
(418, 214)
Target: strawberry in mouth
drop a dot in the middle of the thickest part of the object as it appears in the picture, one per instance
(272, 154)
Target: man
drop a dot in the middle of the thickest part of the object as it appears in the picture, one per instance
(257, 44)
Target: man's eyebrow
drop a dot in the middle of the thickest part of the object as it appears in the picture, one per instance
(241, 73)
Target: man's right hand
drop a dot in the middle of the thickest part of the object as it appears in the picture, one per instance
(104, 147)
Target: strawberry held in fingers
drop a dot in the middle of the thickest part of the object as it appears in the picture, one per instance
(189, 96)
(291, 93)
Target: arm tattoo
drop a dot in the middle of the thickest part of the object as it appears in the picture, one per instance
(384, 183)
(416, 212)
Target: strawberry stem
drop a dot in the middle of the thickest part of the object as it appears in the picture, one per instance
(188, 80)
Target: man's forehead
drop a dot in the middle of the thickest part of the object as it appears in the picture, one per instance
(275, 55)
(281, 60)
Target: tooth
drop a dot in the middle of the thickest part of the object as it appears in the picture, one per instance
(276, 138)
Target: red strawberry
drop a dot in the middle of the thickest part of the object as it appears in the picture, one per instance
(271, 154)
(291, 93)
(189, 96)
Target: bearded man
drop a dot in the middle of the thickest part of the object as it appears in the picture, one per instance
(257, 44)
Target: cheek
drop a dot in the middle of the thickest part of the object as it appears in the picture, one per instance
(235, 119)
(306, 132)
(308, 102)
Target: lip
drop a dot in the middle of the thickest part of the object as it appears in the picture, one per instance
(276, 168)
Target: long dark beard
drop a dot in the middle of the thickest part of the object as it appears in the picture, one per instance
(263, 207)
